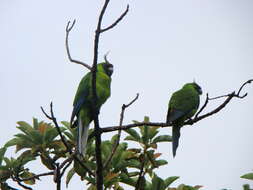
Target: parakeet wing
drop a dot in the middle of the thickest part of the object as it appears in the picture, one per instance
(184, 102)
(82, 95)
(174, 114)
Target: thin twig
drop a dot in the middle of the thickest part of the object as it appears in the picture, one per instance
(216, 110)
(117, 21)
(203, 107)
(63, 165)
(53, 118)
(116, 144)
(68, 160)
(218, 97)
(66, 166)
(37, 176)
(239, 91)
(68, 29)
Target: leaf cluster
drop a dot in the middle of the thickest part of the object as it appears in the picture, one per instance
(134, 167)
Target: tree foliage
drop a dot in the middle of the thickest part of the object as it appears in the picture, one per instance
(40, 142)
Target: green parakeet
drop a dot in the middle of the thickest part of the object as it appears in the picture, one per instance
(182, 106)
(83, 101)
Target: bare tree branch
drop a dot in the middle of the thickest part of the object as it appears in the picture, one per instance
(239, 91)
(53, 118)
(97, 130)
(190, 121)
(63, 165)
(117, 21)
(68, 29)
(123, 108)
(37, 176)
(128, 126)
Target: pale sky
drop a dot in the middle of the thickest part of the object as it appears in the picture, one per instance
(158, 47)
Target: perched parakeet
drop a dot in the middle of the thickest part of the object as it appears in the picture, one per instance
(83, 101)
(182, 106)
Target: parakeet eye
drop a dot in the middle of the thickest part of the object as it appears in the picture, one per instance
(108, 69)
(200, 91)
(198, 88)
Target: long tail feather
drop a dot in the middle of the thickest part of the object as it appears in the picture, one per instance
(175, 139)
(82, 137)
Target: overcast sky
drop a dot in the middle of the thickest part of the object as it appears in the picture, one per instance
(157, 48)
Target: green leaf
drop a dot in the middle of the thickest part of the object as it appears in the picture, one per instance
(144, 131)
(130, 138)
(65, 123)
(26, 156)
(133, 163)
(51, 134)
(248, 176)
(168, 181)
(27, 174)
(35, 123)
(132, 174)
(70, 174)
(114, 138)
(24, 138)
(157, 183)
(79, 169)
(162, 138)
(36, 137)
(127, 180)
(47, 161)
(160, 162)
(24, 127)
(2, 152)
(57, 145)
(11, 142)
(110, 179)
(152, 132)
(134, 134)
(106, 148)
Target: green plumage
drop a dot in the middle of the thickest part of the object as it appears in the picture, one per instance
(83, 101)
(182, 105)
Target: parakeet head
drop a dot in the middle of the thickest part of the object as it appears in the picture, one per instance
(105, 67)
(195, 86)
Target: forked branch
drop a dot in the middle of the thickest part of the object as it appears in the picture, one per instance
(117, 21)
(116, 144)
(53, 118)
(68, 30)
